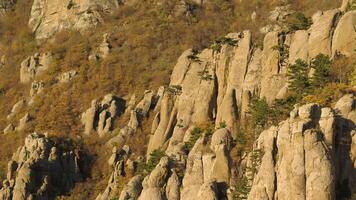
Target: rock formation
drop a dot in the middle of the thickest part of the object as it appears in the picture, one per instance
(67, 76)
(50, 17)
(16, 108)
(100, 115)
(308, 156)
(40, 170)
(34, 66)
(6, 5)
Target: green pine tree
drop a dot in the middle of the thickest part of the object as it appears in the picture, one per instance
(321, 64)
(298, 77)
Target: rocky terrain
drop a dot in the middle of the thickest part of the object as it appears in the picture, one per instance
(265, 112)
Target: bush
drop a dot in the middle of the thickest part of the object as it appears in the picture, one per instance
(196, 133)
(283, 53)
(216, 46)
(298, 21)
(155, 157)
(327, 95)
(259, 112)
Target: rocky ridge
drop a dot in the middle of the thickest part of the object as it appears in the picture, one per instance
(215, 86)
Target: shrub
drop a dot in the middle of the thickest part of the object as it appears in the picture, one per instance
(205, 76)
(342, 68)
(193, 57)
(155, 157)
(353, 78)
(298, 21)
(283, 53)
(351, 6)
(298, 77)
(216, 46)
(326, 95)
(196, 133)
(259, 112)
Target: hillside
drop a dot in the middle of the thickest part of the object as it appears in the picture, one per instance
(156, 99)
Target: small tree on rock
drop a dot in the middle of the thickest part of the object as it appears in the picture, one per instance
(298, 76)
(321, 64)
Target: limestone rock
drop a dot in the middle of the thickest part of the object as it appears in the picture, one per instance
(50, 17)
(23, 122)
(67, 76)
(304, 157)
(103, 50)
(38, 168)
(153, 184)
(208, 191)
(34, 66)
(273, 80)
(344, 39)
(321, 32)
(279, 14)
(100, 115)
(132, 190)
(297, 48)
(16, 108)
(346, 4)
(6, 5)
(173, 187)
(9, 128)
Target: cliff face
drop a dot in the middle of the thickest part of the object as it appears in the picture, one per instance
(50, 17)
(40, 170)
(310, 155)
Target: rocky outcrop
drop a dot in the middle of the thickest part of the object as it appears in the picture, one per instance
(100, 115)
(308, 155)
(23, 122)
(40, 170)
(154, 184)
(34, 66)
(67, 77)
(50, 17)
(321, 32)
(6, 5)
(16, 108)
(344, 39)
(137, 114)
(9, 128)
(118, 161)
(103, 50)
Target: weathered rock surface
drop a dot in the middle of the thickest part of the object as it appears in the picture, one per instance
(16, 108)
(34, 66)
(344, 39)
(103, 50)
(40, 170)
(67, 76)
(50, 17)
(307, 156)
(6, 5)
(100, 115)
